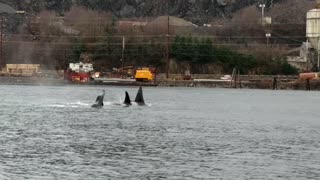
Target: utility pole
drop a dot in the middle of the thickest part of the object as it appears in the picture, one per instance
(318, 63)
(307, 55)
(65, 60)
(2, 63)
(167, 48)
(100, 31)
(122, 55)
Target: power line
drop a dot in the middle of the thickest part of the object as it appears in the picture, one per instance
(158, 43)
(134, 51)
(142, 36)
(89, 20)
(285, 37)
(213, 55)
(85, 36)
(129, 50)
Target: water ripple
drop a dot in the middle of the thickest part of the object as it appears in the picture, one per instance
(181, 136)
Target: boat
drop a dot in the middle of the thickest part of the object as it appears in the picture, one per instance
(79, 72)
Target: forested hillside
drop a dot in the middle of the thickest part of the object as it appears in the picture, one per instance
(193, 10)
(56, 32)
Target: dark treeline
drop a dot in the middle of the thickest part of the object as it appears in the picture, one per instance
(202, 52)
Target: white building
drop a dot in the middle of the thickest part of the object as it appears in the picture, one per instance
(298, 57)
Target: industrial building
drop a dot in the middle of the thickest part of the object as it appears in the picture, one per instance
(307, 56)
(313, 30)
(23, 69)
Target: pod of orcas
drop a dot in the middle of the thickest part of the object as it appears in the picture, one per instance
(139, 100)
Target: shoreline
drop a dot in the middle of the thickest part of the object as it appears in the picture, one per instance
(209, 83)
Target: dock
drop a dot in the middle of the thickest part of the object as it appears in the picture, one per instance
(121, 82)
(247, 83)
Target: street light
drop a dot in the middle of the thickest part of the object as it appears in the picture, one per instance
(268, 35)
(262, 6)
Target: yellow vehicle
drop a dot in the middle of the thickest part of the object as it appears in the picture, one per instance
(144, 74)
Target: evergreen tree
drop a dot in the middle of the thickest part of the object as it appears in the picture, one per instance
(205, 49)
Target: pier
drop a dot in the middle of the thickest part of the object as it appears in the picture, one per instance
(213, 81)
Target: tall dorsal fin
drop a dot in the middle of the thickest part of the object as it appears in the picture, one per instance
(139, 98)
(127, 100)
(99, 100)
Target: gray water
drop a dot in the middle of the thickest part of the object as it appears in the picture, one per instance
(183, 133)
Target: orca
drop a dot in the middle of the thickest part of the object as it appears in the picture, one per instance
(99, 100)
(139, 98)
(127, 100)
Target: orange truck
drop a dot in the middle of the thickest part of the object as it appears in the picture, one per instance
(144, 75)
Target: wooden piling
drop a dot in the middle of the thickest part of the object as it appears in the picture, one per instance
(308, 88)
(235, 80)
(155, 76)
(240, 84)
(232, 77)
(275, 84)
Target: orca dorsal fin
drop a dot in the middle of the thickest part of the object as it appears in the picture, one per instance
(101, 97)
(139, 98)
(127, 100)
(99, 101)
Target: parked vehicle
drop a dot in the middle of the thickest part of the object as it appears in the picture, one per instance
(144, 75)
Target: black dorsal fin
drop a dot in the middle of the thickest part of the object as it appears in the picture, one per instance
(127, 99)
(99, 101)
(139, 98)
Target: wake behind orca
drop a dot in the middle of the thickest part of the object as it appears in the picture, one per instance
(99, 100)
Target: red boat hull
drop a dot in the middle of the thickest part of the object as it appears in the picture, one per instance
(78, 77)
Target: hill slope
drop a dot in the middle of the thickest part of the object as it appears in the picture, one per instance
(197, 11)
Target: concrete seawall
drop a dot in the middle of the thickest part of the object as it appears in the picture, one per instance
(264, 84)
(9, 80)
(283, 84)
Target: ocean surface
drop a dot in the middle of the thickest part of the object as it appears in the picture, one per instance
(51, 132)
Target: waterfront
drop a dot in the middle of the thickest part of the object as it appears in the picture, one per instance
(50, 132)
